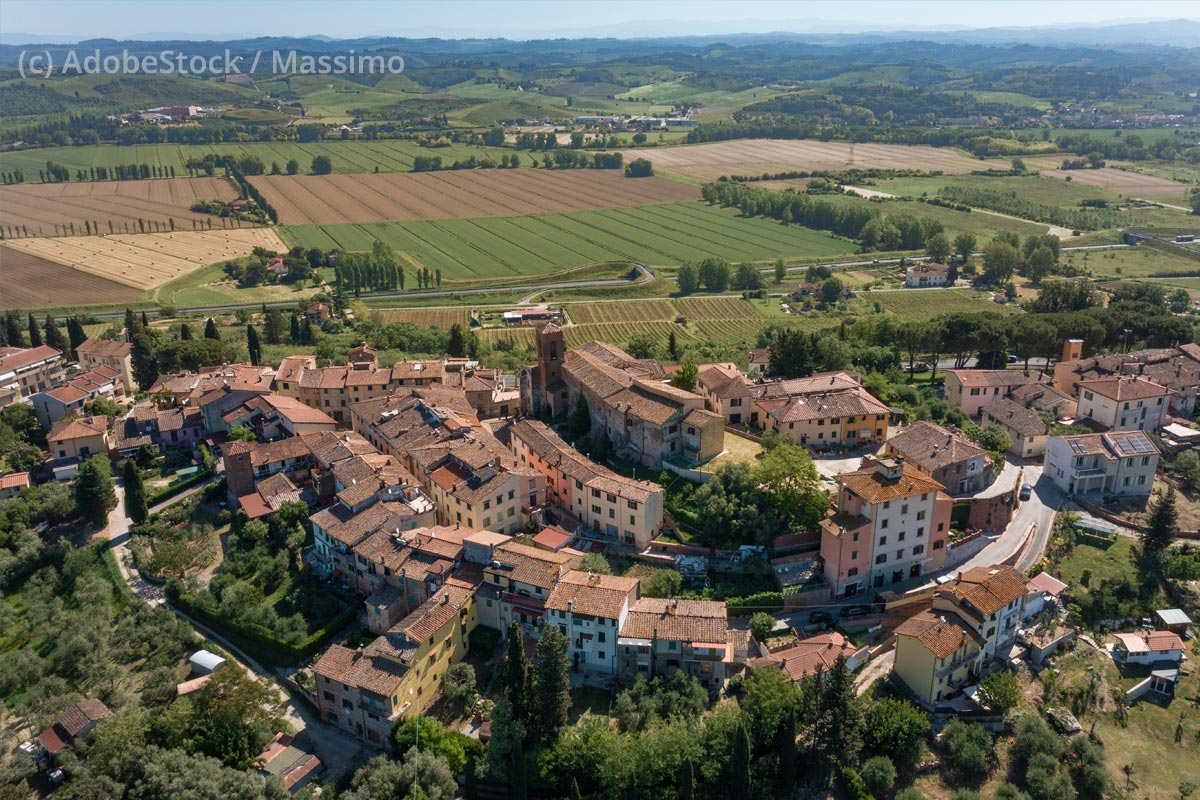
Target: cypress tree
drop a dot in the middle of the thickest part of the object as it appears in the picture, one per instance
(145, 320)
(687, 780)
(55, 338)
(135, 492)
(739, 777)
(550, 684)
(516, 674)
(145, 368)
(1163, 525)
(786, 748)
(93, 490)
(295, 329)
(35, 333)
(252, 345)
(12, 330)
(210, 329)
(456, 346)
(185, 332)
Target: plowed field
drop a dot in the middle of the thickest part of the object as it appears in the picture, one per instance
(50, 209)
(757, 156)
(32, 282)
(329, 199)
(147, 260)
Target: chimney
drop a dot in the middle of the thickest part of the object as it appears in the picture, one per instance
(1072, 350)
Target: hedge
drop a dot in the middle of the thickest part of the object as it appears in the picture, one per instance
(770, 602)
(174, 489)
(261, 642)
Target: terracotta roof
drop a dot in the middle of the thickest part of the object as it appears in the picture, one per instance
(434, 613)
(1016, 417)
(1122, 389)
(1045, 582)
(16, 357)
(530, 565)
(296, 412)
(1040, 396)
(987, 589)
(940, 635)
(72, 722)
(1150, 641)
(592, 594)
(278, 450)
(758, 355)
(932, 447)
(698, 418)
(997, 377)
(375, 673)
(874, 488)
(551, 448)
(553, 538)
(104, 348)
(819, 652)
(81, 428)
(679, 620)
(14, 480)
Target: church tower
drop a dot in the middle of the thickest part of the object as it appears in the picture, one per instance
(551, 347)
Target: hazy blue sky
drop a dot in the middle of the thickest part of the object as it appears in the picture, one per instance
(74, 19)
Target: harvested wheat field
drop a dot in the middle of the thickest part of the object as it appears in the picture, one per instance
(51, 209)
(1124, 182)
(453, 194)
(32, 282)
(757, 156)
(147, 260)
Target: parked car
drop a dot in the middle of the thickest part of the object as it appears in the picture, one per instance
(820, 616)
(1026, 491)
(855, 611)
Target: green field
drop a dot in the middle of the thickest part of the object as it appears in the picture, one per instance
(347, 156)
(924, 303)
(1131, 262)
(664, 234)
(984, 226)
(1038, 188)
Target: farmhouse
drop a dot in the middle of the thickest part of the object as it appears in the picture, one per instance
(1024, 427)
(602, 501)
(532, 316)
(76, 721)
(947, 456)
(927, 275)
(1103, 463)
(891, 524)
(114, 355)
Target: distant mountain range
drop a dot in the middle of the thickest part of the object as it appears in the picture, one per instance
(1122, 34)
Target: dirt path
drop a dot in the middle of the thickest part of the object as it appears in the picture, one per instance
(866, 192)
(879, 668)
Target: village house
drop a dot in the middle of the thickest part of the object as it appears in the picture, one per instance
(590, 609)
(891, 524)
(926, 275)
(937, 655)
(1027, 431)
(949, 457)
(663, 635)
(282, 759)
(78, 438)
(825, 409)
(758, 359)
(318, 312)
(1120, 464)
(145, 424)
(1123, 403)
(366, 691)
(1045, 398)
(990, 601)
(602, 501)
(273, 416)
(69, 398)
(1176, 368)
(11, 484)
(1147, 648)
(972, 389)
(814, 655)
(25, 371)
(78, 720)
(518, 582)
(112, 354)
(726, 391)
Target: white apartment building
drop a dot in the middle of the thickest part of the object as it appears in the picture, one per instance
(590, 609)
(1119, 463)
(1124, 404)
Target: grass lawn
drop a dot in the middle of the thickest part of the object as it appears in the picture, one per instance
(1037, 188)
(1147, 740)
(1130, 262)
(1104, 563)
(737, 449)
(210, 286)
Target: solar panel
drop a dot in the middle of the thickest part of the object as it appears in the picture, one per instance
(1078, 446)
